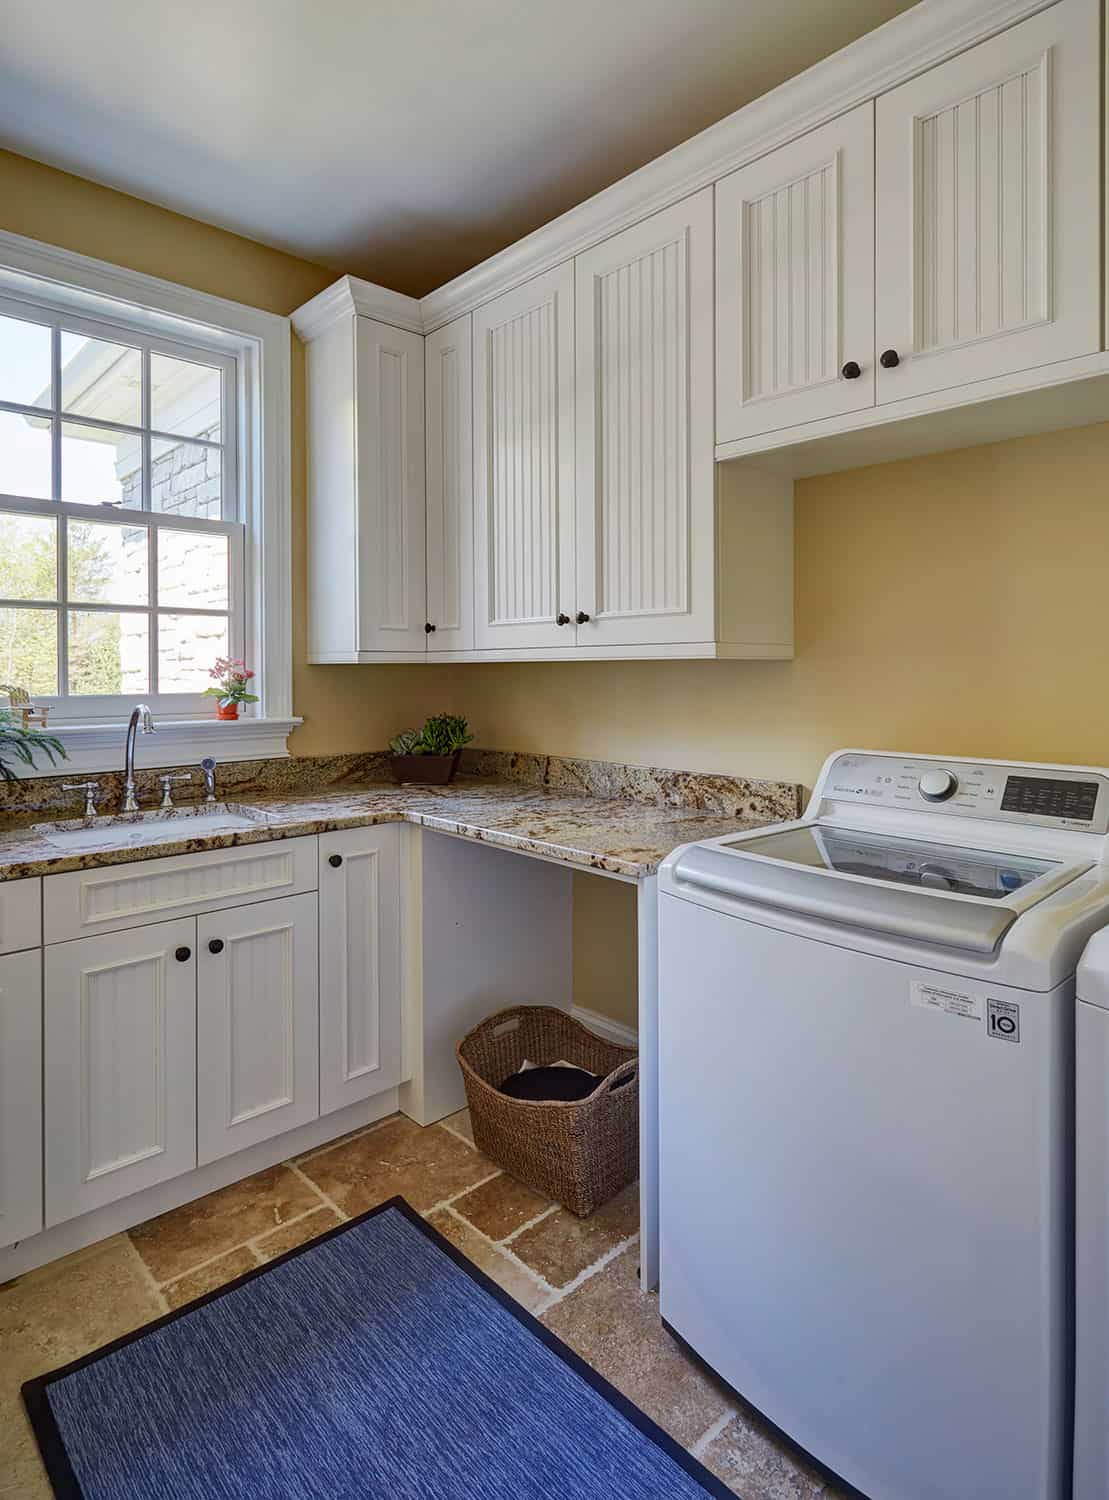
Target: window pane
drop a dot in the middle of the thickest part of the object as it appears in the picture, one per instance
(185, 479)
(107, 564)
(192, 569)
(28, 557)
(187, 649)
(101, 380)
(185, 397)
(25, 456)
(101, 467)
(29, 650)
(25, 362)
(108, 653)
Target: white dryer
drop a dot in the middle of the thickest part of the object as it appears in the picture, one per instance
(865, 1116)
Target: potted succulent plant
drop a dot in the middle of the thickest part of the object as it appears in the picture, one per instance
(430, 755)
(24, 744)
(232, 675)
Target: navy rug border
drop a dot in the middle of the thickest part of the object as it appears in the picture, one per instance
(52, 1447)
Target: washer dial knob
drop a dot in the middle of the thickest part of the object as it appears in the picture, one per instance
(937, 786)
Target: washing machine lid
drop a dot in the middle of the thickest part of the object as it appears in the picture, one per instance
(926, 891)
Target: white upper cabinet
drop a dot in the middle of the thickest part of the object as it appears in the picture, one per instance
(448, 358)
(645, 449)
(524, 466)
(367, 588)
(989, 208)
(795, 281)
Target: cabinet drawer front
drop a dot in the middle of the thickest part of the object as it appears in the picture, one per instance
(20, 915)
(152, 890)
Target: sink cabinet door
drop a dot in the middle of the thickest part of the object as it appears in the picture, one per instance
(120, 1065)
(20, 1096)
(257, 1024)
(361, 968)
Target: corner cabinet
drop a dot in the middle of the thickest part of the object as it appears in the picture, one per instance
(366, 528)
(448, 359)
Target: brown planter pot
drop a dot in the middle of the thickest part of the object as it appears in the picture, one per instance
(230, 712)
(427, 770)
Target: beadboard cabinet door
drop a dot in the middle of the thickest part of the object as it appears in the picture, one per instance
(257, 1023)
(448, 361)
(361, 969)
(645, 449)
(392, 587)
(120, 1048)
(795, 281)
(20, 1096)
(989, 208)
(524, 466)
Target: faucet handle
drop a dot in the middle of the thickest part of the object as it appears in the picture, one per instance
(91, 790)
(208, 766)
(166, 783)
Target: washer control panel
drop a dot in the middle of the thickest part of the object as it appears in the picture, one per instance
(1058, 797)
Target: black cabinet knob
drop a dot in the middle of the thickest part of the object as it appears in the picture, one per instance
(216, 945)
(889, 359)
(183, 955)
(334, 860)
(429, 628)
(581, 617)
(851, 370)
(562, 619)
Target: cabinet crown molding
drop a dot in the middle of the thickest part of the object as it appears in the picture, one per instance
(911, 43)
(350, 296)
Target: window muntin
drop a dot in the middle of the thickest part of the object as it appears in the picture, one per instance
(121, 550)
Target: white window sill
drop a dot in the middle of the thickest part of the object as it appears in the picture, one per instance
(180, 742)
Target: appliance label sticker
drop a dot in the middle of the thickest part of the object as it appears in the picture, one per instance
(951, 1002)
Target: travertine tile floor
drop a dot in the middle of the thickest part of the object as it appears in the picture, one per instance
(578, 1276)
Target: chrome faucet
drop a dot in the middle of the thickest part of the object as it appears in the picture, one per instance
(208, 766)
(140, 719)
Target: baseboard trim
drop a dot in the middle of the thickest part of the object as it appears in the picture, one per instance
(612, 1031)
(102, 1223)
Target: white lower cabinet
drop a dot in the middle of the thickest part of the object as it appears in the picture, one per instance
(20, 1095)
(361, 970)
(257, 1023)
(120, 1048)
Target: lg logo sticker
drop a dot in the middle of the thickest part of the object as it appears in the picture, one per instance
(1003, 1020)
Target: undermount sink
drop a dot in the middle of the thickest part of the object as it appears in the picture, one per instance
(128, 830)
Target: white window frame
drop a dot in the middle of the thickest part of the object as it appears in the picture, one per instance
(79, 288)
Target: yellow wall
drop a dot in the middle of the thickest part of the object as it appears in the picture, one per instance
(68, 211)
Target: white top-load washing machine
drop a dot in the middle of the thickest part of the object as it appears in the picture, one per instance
(1091, 1385)
(865, 1116)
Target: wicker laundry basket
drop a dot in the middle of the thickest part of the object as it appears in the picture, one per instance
(579, 1153)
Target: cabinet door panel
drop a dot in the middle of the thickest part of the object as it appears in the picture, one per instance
(361, 972)
(120, 1065)
(988, 204)
(524, 465)
(646, 470)
(795, 281)
(448, 354)
(392, 590)
(257, 1024)
(20, 1096)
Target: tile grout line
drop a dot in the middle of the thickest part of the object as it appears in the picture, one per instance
(531, 1223)
(454, 1197)
(457, 1134)
(147, 1274)
(324, 1198)
(708, 1437)
(341, 1140)
(589, 1272)
(514, 1260)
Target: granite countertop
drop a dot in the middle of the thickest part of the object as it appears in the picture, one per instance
(619, 835)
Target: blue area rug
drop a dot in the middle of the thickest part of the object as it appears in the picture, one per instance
(374, 1362)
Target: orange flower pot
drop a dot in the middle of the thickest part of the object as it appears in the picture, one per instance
(230, 712)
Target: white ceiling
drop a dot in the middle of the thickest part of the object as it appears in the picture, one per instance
(402, 140)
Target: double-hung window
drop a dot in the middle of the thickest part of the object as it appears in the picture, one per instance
(121, 519)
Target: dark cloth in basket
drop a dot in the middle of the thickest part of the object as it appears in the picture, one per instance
(550, 1084)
